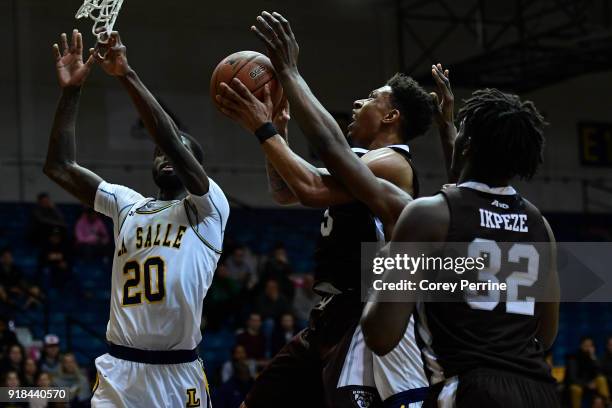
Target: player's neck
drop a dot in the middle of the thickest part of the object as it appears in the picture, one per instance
(385, 139)
(171, 194)
(468, 174)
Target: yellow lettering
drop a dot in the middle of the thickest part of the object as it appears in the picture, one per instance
(148, 240)
(166, 242)
(139, 237)
(179, 236)
(156, 240)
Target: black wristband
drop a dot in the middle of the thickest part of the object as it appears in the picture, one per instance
(266, 131)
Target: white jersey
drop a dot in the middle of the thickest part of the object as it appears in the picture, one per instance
(166, 253)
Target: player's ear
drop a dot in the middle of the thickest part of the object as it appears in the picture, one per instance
(392, 116)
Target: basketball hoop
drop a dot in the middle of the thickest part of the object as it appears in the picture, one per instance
(104, 14)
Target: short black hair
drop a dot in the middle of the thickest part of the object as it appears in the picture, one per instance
(506, 135)
(198, 151)
(414, 103)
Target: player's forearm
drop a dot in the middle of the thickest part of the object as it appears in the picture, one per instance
(60, 165)
(161, 127)
(62, 148)
(384, 324)
(317, 124)
(281, 193)
(302, 179)
(448, 134)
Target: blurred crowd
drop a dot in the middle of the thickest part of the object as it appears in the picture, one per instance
(265, 303)
(588, 375)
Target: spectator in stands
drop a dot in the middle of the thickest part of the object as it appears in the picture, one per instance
(277, 267)
(283, 333)
(231, 393)
(45, 219)
(30, 373)
(7, 337)
(70, 376)
(13, 286)
(272, 304)
(43, 380)
(252, 339)
(583, 374)
(606, 362)
(241, 267)
(11, 379)
(91, 237)
(239, 356)
(221, 302)
(14, 360)
(53, 262)
(50, 359)
(305, 299)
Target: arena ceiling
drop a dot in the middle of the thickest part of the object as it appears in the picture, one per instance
(518, 45)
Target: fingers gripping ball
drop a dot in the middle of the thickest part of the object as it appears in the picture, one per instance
(253, 69)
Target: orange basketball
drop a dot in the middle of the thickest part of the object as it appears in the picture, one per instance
(252, 68)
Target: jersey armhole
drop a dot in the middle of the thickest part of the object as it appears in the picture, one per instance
(192, 219)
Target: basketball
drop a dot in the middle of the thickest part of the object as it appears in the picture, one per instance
(252, 68)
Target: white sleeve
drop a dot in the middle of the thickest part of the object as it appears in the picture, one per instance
(114, 201)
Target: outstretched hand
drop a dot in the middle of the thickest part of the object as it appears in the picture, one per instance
(443, 96)
(238, 103)
(71, 70)
(112, 56)
(276, 34)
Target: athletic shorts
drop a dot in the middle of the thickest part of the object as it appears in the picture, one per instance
(325, 365)
(492, 389)
(128, 384)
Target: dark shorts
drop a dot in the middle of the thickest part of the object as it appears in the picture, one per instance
(495, 389)
(305, 372)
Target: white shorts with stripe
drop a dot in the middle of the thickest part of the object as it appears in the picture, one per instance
(401, 370)
(128, 384)
(358, 363)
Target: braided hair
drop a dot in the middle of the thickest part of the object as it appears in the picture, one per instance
(506, 135)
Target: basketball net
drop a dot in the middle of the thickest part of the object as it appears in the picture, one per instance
(104, 14)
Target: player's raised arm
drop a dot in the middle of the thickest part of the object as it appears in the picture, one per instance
(61, 165)
(281, 193)
(444, 116)
(161, 127)
(320, 128)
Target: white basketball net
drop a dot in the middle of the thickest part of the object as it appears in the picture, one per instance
(104, 14)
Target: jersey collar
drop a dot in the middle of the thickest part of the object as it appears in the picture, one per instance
(360, 150)
(508, 190)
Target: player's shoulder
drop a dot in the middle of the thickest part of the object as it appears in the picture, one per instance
(386, 162)
(385, 153)
(425, 218)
